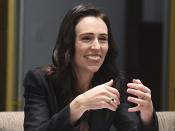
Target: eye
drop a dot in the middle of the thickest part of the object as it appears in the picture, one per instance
(86, 38)
(103, 39)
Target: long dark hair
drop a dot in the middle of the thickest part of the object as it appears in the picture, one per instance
(61, 72)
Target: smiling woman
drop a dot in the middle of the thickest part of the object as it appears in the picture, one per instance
(91, 46)
(83, 90)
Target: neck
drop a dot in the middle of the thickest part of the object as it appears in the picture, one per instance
(83, 80)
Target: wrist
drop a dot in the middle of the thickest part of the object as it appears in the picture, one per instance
(76, 109)
(147, 117)
(80, 104)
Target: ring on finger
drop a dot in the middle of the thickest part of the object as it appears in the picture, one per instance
(111, 100)
(143, 98)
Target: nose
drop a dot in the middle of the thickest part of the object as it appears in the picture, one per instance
(95, 44)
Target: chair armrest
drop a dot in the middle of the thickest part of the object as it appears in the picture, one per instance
(166, 120)
(11, 121)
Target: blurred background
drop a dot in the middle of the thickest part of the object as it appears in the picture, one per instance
(143, 29)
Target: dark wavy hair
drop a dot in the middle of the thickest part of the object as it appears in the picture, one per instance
(61, 72)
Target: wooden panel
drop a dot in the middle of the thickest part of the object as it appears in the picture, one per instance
(171, 99)
(10, 55)
(3, 48)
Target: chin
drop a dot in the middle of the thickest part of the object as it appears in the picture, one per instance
(94, 69)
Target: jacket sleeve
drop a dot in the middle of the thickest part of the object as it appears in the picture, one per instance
(130, 121)
(153, 127)
(37, 112)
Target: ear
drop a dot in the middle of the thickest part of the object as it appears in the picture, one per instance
(54, 56)
(67, 57)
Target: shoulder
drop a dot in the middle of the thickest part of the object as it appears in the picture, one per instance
(35, 72)
(35, 80)
(34, 75)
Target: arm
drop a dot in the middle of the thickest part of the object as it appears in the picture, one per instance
(144, 106)
(131, 121)
(37, 112)
(98, 97)
(127, 120)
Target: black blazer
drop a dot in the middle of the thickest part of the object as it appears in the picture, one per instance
(43, 114)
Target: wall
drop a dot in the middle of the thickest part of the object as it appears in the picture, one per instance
(41, 21)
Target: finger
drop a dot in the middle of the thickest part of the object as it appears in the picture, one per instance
(115, 102)
(105, 103)
(109, 83)
(102, 102)
(134, 109)
(111, 95)
(137, 81)
(139, 87)
(137, 93)
(136, 100)
(112, 102)
(110, 106)
(112, 90)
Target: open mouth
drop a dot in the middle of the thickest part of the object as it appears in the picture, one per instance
(93, 57)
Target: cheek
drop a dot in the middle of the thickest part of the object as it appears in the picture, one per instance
(105, 50)
(79, 51)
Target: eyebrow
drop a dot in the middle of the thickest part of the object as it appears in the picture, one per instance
(104, 34)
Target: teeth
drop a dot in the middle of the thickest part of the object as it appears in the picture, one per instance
(93, 57)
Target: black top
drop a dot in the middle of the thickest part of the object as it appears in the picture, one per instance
(43, 114)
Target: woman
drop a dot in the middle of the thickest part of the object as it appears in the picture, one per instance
(83, 89)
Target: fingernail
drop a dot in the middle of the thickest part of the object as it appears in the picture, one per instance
(128, 84)
(128, 98)
(111, 80)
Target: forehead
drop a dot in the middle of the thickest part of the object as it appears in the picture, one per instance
(91, 24)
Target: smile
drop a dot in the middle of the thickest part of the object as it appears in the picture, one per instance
(93, 57)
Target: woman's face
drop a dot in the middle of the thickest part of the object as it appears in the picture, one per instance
(91, 44)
